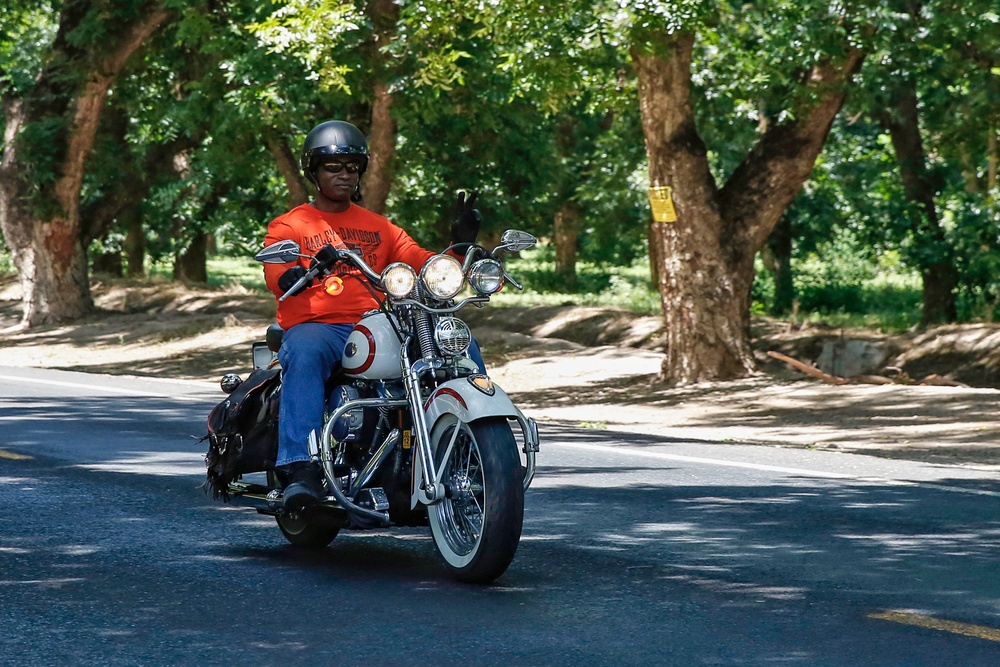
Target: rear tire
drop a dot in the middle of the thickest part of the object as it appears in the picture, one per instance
(477, 529)
(307, 534)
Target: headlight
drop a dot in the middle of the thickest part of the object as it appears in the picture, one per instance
(442, 275)
(452, 335)
(398, 279)
(486, 276)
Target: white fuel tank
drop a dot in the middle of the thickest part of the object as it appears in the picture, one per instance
(373, 349)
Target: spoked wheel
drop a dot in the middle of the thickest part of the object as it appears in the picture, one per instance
(304, 533)
(477, 527)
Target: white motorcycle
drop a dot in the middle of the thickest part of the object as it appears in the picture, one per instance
(415, 433)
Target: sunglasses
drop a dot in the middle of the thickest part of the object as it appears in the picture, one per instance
(337, 167)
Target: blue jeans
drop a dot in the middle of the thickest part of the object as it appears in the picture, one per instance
(310, 353)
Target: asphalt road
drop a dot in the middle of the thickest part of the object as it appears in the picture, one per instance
(636, 551)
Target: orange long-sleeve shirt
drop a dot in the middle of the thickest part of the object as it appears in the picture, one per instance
(378, 240)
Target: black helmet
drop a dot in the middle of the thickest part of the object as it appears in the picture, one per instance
(334, 137)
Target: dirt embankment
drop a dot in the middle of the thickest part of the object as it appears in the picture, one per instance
(146, 328)
(589, 366)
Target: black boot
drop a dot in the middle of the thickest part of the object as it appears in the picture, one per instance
(305, 485)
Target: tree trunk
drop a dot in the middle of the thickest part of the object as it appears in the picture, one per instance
(567, 230)
(992, 159)
(780, 246)
(382, 144)
(937, 269)
(706, 269)
(47, 249)
(384, 15)
(655, 254)
(190, 264)
(135, 247)
(298, 192)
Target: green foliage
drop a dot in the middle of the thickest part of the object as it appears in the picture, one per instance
(534, 105)
(836, 285)
(27, 28)
(975, 231)
(625, 287)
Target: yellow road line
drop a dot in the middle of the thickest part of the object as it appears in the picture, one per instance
(954, 627)
(12, 456)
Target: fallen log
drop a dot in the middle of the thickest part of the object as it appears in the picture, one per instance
(940, 381)
(807, 369)
(933, 379)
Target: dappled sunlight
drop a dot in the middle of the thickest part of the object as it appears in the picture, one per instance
(728, 539)
(153, 463)
(665, 527)
(221, 558)
(77, 550)
(708, 503)
(730, 589)
(917, 421)
(17, 480)
(50, 583)
(945, 544)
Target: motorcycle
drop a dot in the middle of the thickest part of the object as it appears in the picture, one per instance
(415, 433)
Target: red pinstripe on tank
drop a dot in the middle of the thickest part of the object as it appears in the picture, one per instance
(367, 363)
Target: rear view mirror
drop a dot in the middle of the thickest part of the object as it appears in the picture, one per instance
(281, 252)
(514, 240)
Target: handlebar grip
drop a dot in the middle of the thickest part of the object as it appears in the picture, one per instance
(300, 283)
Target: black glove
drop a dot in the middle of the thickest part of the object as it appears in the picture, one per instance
(290, 277)
(465, 228)
(325, 257)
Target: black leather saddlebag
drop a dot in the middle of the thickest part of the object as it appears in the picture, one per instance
(243, 431)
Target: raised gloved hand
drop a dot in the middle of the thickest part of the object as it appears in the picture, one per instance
(325, 257)
(468, 220)
(290, 277)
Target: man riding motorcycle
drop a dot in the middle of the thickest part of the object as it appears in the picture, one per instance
(319, 317)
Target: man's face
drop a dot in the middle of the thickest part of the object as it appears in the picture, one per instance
(338, 177)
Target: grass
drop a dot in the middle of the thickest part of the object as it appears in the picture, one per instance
(887, 301)
(222, 271)
(883, 298)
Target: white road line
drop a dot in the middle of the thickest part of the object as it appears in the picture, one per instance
(604, 449)
(76, 385)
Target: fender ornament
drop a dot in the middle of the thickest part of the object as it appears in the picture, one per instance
(483, 383)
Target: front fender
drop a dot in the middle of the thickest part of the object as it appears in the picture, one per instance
(469, 398)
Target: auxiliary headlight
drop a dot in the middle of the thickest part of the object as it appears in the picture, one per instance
(486, 276)
(452, 335)
(398, 279)
(442, 275)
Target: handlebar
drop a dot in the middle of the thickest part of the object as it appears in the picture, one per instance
(343, 255)
(283, 252)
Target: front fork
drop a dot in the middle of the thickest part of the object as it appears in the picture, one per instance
(428, 489)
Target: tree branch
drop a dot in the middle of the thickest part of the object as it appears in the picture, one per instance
(88, 105)
(765, 183)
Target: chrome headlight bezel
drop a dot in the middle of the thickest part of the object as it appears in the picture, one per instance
(442, 276)
(486, 276)
(399, 279)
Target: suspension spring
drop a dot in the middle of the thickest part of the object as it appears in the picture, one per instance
(425, 334)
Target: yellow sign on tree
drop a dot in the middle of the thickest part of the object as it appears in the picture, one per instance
(662, 203)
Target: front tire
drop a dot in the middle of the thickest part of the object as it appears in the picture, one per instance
(478, 526)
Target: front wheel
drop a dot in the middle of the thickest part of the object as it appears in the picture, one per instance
(477, 526)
